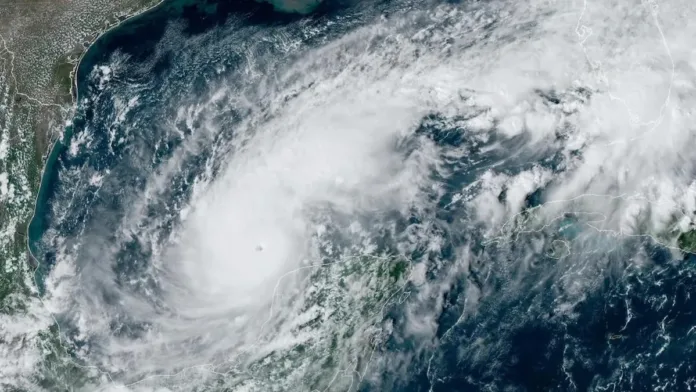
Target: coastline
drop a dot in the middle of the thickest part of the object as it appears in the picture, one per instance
(33, 233)
(36, 225)
(74, 92)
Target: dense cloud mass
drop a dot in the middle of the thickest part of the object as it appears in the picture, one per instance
(382, 196)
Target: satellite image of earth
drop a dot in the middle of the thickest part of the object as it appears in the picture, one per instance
(347, 195)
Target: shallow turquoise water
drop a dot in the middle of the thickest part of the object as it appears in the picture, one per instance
(519, 338)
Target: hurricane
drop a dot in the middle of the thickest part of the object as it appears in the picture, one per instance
(377, 196)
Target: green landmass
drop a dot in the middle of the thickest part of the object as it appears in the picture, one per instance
(40, 44)
(687, 241)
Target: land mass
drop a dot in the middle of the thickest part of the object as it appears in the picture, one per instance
(41, 43)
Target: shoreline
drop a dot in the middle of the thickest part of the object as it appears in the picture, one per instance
(55, 148)
(53, 152)
(74, 93)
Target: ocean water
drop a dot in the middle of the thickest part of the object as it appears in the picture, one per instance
(374, 196)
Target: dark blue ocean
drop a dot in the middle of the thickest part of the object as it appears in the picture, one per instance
(629, 328)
